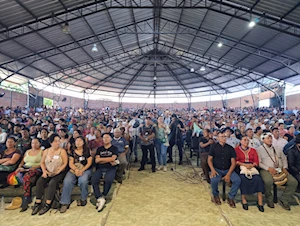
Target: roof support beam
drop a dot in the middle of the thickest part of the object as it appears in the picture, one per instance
(185, 90)
(123, 92)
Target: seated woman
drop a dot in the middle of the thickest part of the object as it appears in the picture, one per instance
(30, 169)
(44, 139)
(79, 157)
(8, 160)
(195, 127)
(53, 164)
(71, 143)
(64, 138)
(95, 144)
(247, 156)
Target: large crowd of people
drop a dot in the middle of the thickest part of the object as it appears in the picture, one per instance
(250, 148)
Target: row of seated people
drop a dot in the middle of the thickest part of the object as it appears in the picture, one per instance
(221, 161)
(53, 165)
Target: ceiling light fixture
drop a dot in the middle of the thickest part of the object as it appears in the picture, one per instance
(2, 95)
(154, 78)
(66, 28)
(94, 49)
(192, 70)
(202, 68)
(220, 44)
(252, 24)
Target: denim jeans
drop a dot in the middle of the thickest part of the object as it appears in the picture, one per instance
(179, 146)
(161, 151)
(70, 181)
(234, 178)
(109, 177)
(145, 149)
(133, 144)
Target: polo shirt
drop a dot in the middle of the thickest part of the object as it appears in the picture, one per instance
(120, 143)
(222, 155)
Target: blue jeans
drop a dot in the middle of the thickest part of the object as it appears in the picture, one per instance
(161, 151)
(70, 181)
(133, 144)
(234, 178)
(109, 177)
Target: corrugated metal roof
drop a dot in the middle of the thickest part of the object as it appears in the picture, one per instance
(131, 52)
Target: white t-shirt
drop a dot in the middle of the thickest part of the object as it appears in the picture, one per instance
(90, 137)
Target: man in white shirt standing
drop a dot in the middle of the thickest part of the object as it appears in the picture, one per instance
(278, 141)
(272, 161)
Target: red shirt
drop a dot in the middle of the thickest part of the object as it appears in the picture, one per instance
(246, 156)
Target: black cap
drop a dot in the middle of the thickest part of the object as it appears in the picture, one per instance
(174, 116)
(257, 128)
(228, 128)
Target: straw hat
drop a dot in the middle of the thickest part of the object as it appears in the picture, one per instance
(15, 204)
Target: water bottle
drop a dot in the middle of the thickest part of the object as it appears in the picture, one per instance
(2, 204)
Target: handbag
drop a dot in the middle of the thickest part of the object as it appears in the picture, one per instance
(280, 178)
(78, 165)
(248, 172)
(15, 178)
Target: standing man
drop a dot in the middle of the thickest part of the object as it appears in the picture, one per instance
(205, 142)
(147, 134)
(122, 145)
(133, 128)
(221, 161)
(175, 137)
(105, 163)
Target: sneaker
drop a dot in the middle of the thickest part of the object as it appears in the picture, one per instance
(63, 208)
(180, 163)
(153, 170)
(170, 161)
(101, 202)
(165, 169)
(158, 168)
(136, 159)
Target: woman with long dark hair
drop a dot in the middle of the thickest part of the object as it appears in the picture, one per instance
(80, 168)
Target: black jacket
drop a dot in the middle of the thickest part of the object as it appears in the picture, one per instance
(294, 160)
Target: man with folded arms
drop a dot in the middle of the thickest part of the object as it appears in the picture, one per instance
(272, 160)
(221, 161)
